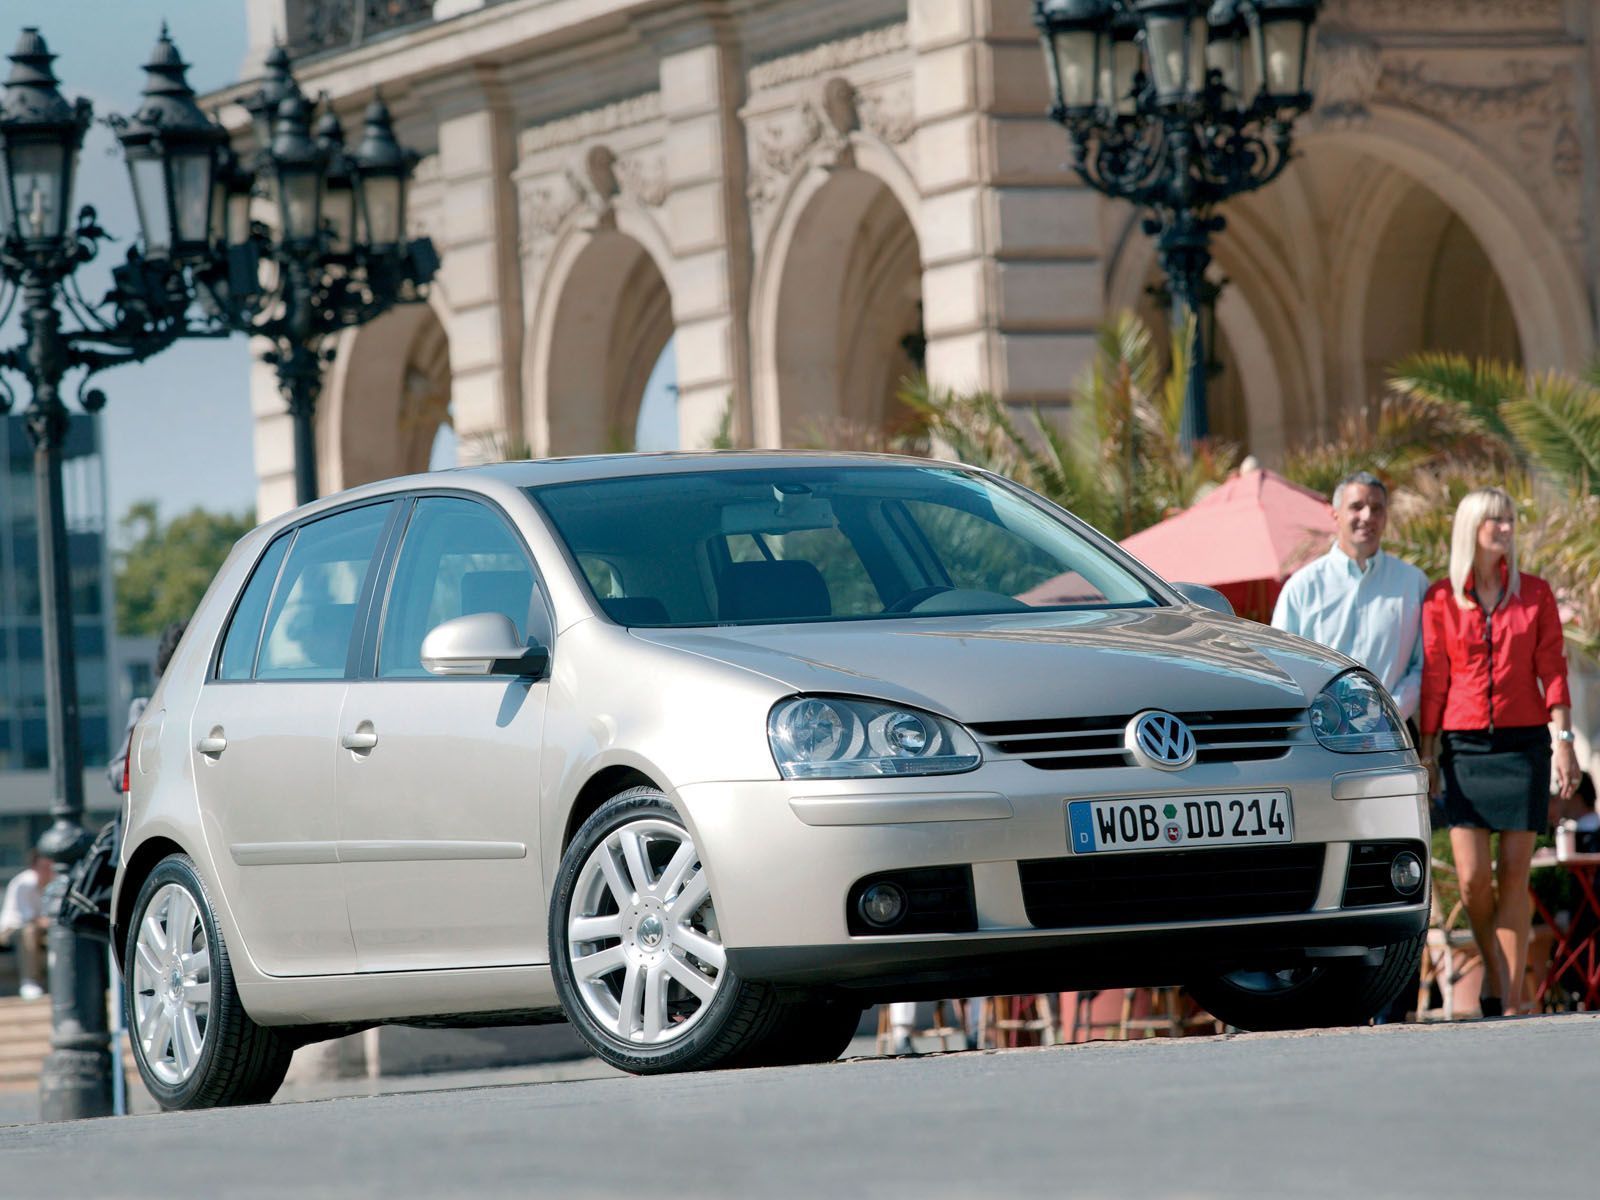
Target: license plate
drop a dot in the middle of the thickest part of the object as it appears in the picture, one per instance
(1179, 822)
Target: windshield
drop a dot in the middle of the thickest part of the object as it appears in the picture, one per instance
(828, 543)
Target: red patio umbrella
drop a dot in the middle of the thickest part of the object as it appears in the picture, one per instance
(1244, 538)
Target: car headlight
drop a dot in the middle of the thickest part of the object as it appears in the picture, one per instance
(1354, 715)
(829, 737)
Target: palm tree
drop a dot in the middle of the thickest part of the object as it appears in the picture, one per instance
(1539, 436)
(1412, 432)
(1116, 461)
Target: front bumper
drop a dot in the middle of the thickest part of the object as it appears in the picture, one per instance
(880, 969)
(782, 856)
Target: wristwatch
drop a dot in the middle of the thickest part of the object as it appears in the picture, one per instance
(1566, 735)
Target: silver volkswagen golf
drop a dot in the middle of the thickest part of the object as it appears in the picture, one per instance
(703, 753)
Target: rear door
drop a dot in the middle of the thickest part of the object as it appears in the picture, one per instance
(438, 778)
(263, 737)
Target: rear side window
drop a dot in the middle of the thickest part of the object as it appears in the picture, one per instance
(238, 660)
(313, 610)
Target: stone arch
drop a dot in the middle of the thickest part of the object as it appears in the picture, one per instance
(386, 397)
(1429, 286)
(1328, 287)
(836, 304)
(603, 317)
(1547, 300)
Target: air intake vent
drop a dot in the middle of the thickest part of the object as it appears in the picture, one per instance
(1170, 885)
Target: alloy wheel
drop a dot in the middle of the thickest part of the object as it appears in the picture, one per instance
(642, 938)
(172, 985)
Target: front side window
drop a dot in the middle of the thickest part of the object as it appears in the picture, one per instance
(238, 659)
(829, 543)
(458, 558)
(312, 616)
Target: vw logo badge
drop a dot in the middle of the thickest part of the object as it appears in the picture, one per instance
(1159, 739)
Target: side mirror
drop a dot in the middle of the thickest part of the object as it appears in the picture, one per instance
(1198, 593)
(481, 644)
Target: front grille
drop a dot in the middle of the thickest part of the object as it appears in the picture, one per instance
(1367, 880)
(1170, 885)
(1086, 743)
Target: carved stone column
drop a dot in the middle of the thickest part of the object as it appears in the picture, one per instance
(1011, 243)
(476, 235)
(708, 223)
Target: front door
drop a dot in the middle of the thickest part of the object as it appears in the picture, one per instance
(263, 742)
(438, 777)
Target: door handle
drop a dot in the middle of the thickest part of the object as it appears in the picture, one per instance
(361, 739)
(213, 744)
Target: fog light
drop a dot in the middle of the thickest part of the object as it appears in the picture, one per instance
(1405, 873)
(882, 904)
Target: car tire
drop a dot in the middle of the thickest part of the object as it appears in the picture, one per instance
(194, 1044)
(807, 1030)
(641, 974)
(1331, 993)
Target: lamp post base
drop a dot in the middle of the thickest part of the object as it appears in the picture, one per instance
(76, 1084)
(75, 1081)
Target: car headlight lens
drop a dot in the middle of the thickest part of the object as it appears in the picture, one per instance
(1354, 715)
(831, 737)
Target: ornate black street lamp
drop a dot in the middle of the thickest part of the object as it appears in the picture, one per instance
(336, 255)
(146, 310)
(1178, 105)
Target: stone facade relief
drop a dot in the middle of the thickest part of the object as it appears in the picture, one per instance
(578, 168)
(592, 123)
(809, 109)
(830, 57)
(887, 111)
(1528, 119)
(1525, 114)
(1348, 71)
(1534, 99)
(642, 177)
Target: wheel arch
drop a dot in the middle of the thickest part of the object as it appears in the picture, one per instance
(599, 788)
(143, 861)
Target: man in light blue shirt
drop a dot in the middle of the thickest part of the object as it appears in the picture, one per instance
(1358, 600)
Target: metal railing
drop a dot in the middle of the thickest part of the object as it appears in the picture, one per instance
(342, 24)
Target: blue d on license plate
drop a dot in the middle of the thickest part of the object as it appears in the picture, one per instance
(1179, 822)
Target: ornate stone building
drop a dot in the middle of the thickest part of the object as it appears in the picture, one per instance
(799, 192)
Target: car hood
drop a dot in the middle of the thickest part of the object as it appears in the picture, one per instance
(1045, 664)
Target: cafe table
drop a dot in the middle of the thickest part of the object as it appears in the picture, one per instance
(1577, 943)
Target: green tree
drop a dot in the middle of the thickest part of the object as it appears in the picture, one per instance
(162, 570)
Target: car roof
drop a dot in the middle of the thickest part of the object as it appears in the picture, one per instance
(533, 473)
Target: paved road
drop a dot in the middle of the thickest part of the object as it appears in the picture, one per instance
(1493, 1109)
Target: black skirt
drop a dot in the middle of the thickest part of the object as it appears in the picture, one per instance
(1498, 780)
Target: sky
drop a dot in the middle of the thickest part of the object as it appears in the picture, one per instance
(177, 428)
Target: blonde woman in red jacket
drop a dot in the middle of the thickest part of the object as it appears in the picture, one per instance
(1494, 702)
